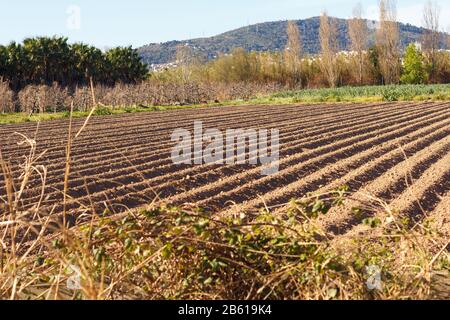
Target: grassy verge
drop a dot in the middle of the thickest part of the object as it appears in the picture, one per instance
(337, 95)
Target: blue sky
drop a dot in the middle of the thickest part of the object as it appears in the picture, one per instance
(137, 22)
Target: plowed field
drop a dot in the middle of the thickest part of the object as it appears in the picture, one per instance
(396, 152)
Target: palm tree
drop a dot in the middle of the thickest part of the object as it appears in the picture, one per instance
(89, 63)
(17, 67)
(125, 65)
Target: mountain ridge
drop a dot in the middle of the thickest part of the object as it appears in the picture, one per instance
(266, 36)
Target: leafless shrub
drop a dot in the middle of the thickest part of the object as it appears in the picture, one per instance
(6, 98)
(185, 93)
(239, 90)
(82, 99)
(29, 99)
(44, 99)
(150, 93)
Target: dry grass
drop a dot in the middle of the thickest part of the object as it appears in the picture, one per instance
(6, 98)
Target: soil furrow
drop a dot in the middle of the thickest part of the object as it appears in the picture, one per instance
(376, 138)
(108, 170)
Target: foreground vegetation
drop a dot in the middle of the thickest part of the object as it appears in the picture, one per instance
(12, 118)
(186, 253)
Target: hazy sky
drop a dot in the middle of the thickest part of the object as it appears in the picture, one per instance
(138, 22)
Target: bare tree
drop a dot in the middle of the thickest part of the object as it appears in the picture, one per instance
(293, 53)
(329, 49)
(388, 42)
(358, 32)
(431, 39)
(185, 59)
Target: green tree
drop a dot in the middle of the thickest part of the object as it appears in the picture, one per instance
(413, 66)
(125, 65)
(48, 59)
(89, 62)
(3, 61)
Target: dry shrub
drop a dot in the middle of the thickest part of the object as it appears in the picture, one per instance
(158, 93)
(44, 99)
(151, 93)
(82, 98)
(28, 99)
(6, 98)
(120, 95)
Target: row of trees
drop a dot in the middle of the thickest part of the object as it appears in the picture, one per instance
(386, 54)
(45, 60)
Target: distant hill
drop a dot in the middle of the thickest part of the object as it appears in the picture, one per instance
(269, 36)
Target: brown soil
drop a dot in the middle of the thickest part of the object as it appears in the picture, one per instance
(394, 152)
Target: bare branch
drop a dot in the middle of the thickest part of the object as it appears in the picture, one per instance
(329, 45)
(388, 42)
(358, 33)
